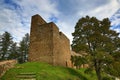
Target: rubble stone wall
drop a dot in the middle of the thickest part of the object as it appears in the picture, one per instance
(6, 65)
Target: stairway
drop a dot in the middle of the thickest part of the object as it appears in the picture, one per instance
(26, 76)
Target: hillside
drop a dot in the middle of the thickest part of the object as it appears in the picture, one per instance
(43, 71)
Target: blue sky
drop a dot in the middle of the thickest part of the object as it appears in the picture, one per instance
(15, 15)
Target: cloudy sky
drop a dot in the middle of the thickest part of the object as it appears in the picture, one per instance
(15, 15)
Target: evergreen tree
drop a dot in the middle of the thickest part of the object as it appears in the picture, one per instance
(5, 44)
(0, 47)
(13, 51)
(23, 49)
(95, 38)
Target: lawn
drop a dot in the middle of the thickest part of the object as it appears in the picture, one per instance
(43, 71)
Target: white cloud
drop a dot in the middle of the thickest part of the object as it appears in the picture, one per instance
(116, 18)
(106, 10)
(66, 28)
(43, 7)
(17, 21)
(98, 8)
(117, 30)
(116, 22)
(10, 22)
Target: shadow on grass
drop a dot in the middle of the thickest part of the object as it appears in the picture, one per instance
(74, 72)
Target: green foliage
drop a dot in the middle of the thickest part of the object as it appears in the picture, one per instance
(97, 39)
(106, 78)
(13, 51)
(23, 49)
(10, 50)
(88, 71)
(113, 69)
(78, 60)
(5, 44)
(116, 56)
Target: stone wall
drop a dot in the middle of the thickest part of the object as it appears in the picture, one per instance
(48, 44)
(6, 65)
(41, 44)
(61, 49)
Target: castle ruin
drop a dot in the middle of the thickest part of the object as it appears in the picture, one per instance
(47, 44)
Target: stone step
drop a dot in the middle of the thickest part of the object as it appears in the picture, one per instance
(27, 79)
(26, 76)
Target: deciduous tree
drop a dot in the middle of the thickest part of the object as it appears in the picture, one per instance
(97, 39)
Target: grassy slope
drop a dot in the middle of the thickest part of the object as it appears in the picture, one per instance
(47, 72)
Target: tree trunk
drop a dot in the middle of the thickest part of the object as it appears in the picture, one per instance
(98, 70)
(98, 74)
(3, 56)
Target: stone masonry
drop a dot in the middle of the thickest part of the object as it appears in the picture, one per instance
(47, 44)
(6, 65)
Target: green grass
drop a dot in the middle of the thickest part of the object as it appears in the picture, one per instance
(45, 71)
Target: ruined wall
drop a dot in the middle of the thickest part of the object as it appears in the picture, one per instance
(6, 65)
(40, 41)
(47, 44)
(61, 48)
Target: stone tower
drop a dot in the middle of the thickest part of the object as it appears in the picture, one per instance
(47, 44)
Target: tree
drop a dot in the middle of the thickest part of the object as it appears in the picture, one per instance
(115, 70)
(5, 43)
(13, 51)
(0, 46)
(97, 39)
(23, 49)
